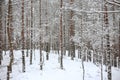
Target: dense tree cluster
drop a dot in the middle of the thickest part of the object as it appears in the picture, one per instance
(90, 26)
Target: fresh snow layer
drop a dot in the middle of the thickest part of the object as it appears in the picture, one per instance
(51, 69)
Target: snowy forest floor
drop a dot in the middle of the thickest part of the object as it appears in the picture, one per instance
(51, 69)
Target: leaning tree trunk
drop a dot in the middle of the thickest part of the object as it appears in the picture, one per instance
(108, 42)
(23, 39)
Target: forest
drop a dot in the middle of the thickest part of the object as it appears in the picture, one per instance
(59, 39)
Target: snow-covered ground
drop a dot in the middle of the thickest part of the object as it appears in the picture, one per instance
(51, 69)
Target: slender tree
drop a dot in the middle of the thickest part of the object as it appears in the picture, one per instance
(108, 41)
(72, 29)
(64, 32)
(114, 39)
(5, 43)
(119, 47)
(1, 37)
(41, 60)
(61, 32)
(27, 32)
(23, 39)
(27, 37)
(47, 44)
(81, 46)
(102, 51)
(10, 33)
(31, 50)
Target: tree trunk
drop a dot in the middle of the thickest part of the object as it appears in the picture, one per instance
(61, 42)
(27, 39)
(1, 32)
(47, 43)
(10, 33)
(64, 46)
(119, 43)
(83, 68)
(102, 52)
(8, 72)
(31, 50)
(64, 32)
(108, 43)
(23, 39)
(5, 44)
(41, 60)
(72, 28)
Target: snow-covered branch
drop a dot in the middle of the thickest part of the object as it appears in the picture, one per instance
(114, 3)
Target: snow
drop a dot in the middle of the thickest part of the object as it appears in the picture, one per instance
(51, 69)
